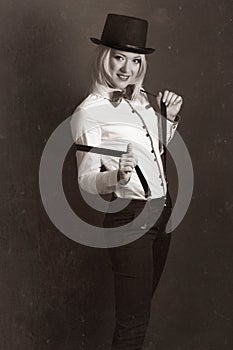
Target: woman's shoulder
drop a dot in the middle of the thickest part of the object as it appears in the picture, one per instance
(85, 112)
(89, 102)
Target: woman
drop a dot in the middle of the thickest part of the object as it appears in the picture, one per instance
(117, 115)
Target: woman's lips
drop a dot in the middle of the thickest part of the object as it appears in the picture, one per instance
(123, 77)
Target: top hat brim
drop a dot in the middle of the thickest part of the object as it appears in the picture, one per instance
(125, 47)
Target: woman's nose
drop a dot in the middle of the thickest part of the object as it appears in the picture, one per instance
(125, 68)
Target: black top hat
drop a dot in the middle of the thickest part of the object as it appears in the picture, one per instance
(124, 33)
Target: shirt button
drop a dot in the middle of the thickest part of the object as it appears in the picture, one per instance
(147, 135)
(161, 184)
(160, 176)
(152, 151)
(143, 127)
(155, 159)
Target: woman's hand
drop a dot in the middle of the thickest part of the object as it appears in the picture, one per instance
(127, 163)
(172, 101)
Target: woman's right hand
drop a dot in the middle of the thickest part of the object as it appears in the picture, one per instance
(127, 163)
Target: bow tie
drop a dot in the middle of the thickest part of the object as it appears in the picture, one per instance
(117, 96)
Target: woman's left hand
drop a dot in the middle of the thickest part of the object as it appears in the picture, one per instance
(172, 101)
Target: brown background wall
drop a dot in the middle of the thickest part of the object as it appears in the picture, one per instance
(55, 293)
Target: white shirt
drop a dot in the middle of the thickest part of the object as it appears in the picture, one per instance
(100, 123)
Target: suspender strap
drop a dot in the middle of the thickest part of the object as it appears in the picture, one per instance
(116, 153)
(164, 136)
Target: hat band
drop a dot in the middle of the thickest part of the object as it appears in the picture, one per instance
(122, 46)
(109, 43)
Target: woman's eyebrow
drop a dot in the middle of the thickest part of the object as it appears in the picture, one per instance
(119, 53)
(135, 57)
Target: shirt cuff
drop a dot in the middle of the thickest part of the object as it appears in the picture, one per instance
(176, 120)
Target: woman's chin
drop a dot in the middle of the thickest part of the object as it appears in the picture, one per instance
(121, 85)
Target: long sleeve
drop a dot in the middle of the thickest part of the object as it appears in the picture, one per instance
(171, 128)
(86, 131)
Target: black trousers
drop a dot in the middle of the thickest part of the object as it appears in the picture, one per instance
(137, 268)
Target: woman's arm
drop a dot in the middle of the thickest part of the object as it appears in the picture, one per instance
(173, 104)
(86, 131)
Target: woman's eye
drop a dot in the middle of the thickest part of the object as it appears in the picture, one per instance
(119, 58)
(137, 60)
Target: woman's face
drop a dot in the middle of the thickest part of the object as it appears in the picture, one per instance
(123, 68)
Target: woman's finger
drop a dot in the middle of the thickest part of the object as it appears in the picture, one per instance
(166, 92)
(179, 99)
(129, 148)
(172, 100)
(169, 97)
(129, 158)
(127, 164)
(126, 168)
(158, 98)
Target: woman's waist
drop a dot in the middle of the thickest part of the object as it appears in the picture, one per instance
(138, 201)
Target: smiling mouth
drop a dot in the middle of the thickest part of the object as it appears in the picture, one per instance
(123, 77)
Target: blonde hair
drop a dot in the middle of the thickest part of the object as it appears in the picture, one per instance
(101, 82)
